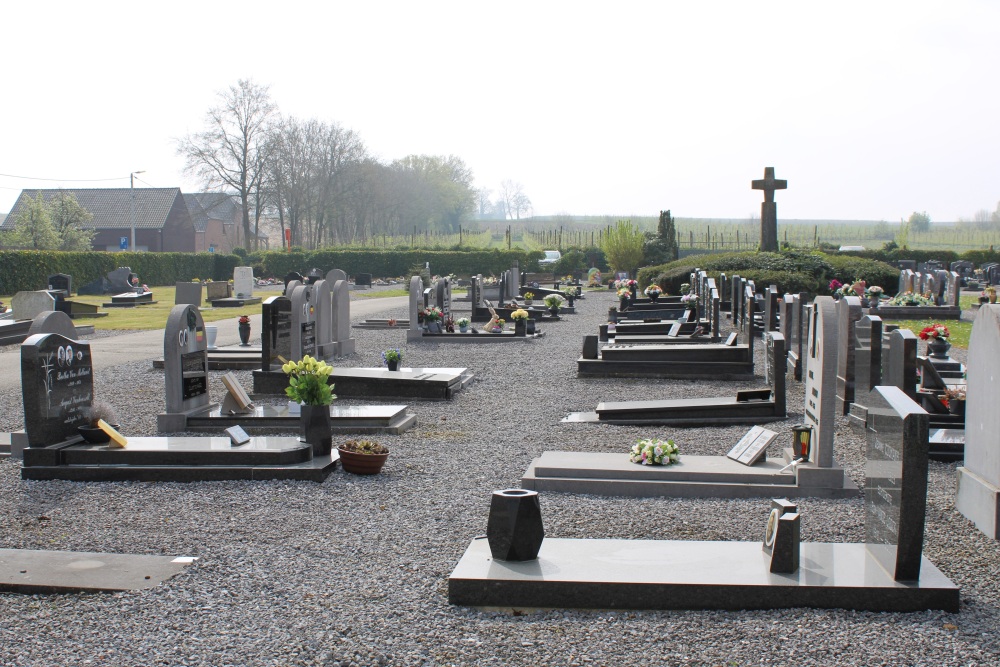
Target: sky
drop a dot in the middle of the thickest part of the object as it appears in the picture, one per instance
(870, 110)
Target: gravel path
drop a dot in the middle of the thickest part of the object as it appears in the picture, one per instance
(354, 571)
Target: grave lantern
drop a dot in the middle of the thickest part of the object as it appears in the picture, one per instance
(801, 440)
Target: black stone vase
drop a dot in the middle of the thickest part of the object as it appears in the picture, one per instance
(244, 335)
(654, 296)
(956, 407)
(520, 328)
(316, 428)
(514, 530)
(529, 327)
(392, 364)
(938, 348)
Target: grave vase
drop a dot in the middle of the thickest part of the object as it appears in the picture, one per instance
(654, 296)
(244, 335)
(873, 301)
(392, 364)
(554, 311)
(956, 407)
(434, 327)
(514, 529)
(315, 428)
(211, 332)
(520, 327)
(938, 349)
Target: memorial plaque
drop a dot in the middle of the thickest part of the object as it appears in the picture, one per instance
(757, 449)
(744, 442)
(57, 386)
(896, 482)
(194, 382)
(674, 329)
(276, 336)
(731, 340)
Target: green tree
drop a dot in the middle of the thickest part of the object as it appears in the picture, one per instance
(661, 247)
(623, 245)
(33, 228)
(70, 220)
(919, 222)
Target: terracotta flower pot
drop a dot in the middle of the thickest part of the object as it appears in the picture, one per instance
(361, 464)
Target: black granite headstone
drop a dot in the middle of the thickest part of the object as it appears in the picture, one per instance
(313, 275)
(363, 280)
(290, 276)
(62, 281)
(896, 482)
(276, 333)
(122, 280)
(57, 385)
(590, 347)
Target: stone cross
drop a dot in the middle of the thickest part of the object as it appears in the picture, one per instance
(768, 209)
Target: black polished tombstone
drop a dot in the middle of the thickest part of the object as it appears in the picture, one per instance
(289, 277)
(57, 386)
(63, 282)
(313, 275)
(276, 335)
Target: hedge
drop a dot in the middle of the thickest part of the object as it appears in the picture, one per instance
(22, 270)
(791, 271)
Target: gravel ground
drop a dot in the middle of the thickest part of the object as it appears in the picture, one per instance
(354, 571)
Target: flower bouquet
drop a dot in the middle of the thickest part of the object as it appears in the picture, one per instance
(498, 325)
(834, 286)
(623, 293)
(433, 314)
(244, 319)
(554, 302)
(308, 381)
(519, 315)
(392, 358)
(690, 300)
(875, 290)
(936, 332)
(463, 324)
(653, 289)
(657, 452)
(529, 297)
(910, 299)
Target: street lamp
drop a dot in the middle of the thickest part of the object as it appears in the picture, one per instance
(131, 185)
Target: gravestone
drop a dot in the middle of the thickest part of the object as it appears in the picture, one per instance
(848, 312)
(290, 277)
(276, 332)
(28, 305)
(415, 332)
(978, 495)
(121, 280)
(57, 386)
(214, 291)
(303, 324)
(243, 282)
(896, 482)
(56, 322)
(953, 291)
(768, 209)
(904, 264)
(341, 308)
(187, 293)
(363, 280)
(321, 300)
(312, 276)
(333, 275)
(867, 366)
(185, 361)
(771, 309)
(443, 296)
(900, 368)
(62, 281)
(821, 379)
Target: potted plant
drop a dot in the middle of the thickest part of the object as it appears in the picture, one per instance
(835, 286)
(690, 301)
(498, 324)
(569, 293)
(874, 294)
(520, 317)
(391, 358)
(97, 412)
(936, 336)
(362, 457)
(991, 293)
(653, 292)
(956, 400)
(529, 298)
(244, 329)
(623, 298)
(463, 324)
(432, 319)
(554, 302)
(654, 452)
(308, 385)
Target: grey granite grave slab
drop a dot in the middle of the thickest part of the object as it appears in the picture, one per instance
(187, 293)
(343, 419)
(43, 572)
(321, 301)
(345, 345)
(303, 323)
(656, 574)
(978, 495)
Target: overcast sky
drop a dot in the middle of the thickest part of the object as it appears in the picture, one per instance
(870, 110)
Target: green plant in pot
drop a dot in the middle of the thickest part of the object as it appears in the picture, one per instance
(363, 457)
(309, 385)
(98, 411)
(553, 302)
(463, 324)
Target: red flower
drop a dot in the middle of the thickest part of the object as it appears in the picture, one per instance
(244, 319)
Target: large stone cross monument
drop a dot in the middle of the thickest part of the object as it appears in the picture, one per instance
(768, 209)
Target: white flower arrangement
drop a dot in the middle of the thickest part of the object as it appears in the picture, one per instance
(657, 452)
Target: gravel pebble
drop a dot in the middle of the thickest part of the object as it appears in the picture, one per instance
(354, 571)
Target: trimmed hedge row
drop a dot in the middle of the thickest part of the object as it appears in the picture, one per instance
(792, 272)
(22, 270)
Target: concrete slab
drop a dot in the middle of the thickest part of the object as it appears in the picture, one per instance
(656, 574)
(343, 419)
(32, 571)
(612, 474)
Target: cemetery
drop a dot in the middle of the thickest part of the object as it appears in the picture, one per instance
(749, 519)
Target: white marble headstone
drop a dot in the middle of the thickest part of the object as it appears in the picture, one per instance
(243, 282)
(820, 378)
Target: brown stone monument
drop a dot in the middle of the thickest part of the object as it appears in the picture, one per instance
(768, 209)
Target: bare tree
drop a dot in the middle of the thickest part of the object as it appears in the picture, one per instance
(231, 152)
(513, 199)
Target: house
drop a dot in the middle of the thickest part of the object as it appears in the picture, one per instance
(216, 219)
(159, 216)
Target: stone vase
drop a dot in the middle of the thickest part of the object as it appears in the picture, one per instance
(392, 364)
(315, 428)
(514, 529)
(520, 328)
(654, 297)
(873, 301)
(529, 327)
(434, 327)
(938, 349)
(956, 407)
(244, 330)
(554, 311)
